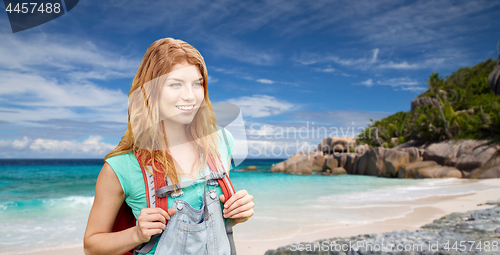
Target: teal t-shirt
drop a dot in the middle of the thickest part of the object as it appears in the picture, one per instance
(128, 171)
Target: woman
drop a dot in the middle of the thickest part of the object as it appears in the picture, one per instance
(171, 122)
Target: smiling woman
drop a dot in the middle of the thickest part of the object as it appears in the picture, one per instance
(173, 146)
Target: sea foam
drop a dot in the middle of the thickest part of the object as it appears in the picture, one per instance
(39, 224)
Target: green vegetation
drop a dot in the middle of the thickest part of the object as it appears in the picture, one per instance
(467, 109)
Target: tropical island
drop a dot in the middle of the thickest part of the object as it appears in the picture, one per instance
(451, 130)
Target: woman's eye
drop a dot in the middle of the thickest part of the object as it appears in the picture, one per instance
(197, 84)
(175, 85)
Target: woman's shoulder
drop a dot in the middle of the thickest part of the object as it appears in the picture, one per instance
(121, 160)
(126, 168)
(123, 156)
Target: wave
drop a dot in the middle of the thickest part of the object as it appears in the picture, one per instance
(71, 202)
(53, 223)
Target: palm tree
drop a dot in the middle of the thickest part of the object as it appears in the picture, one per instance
(434, 84)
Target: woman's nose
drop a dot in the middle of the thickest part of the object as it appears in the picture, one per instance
(187, 93)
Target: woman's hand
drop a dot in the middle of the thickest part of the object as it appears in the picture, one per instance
(239, 207)
(152, 221)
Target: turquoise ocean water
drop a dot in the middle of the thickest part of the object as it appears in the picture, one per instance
(44, 204)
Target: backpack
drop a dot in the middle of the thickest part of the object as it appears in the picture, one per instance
(125, 218)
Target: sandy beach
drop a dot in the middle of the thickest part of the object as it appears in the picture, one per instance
(436, 207)
(441, 205)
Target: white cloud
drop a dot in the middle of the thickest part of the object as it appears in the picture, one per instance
(414, 89)
(245, 76)
(326, 70)
(5, 143)
(212, 79)
(399, 82)
(426, 24)
(20, 144)
(92, 146)
(332, 70)
(403, 83)
(265, 81)
(43, 92)
(67, 57)
(401, 65)
(363, 63)
(46, 76)
(437, 59)
(240, 51)
(375, 54)
(30, 97)
(337, 119)
(368, 83)
(308, 58)
(25, 116)
(261, 105)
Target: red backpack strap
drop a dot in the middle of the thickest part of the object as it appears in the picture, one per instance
(152, 183)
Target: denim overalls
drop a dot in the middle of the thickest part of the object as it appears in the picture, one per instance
(193, 231)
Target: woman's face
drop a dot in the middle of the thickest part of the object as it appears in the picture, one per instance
(181, 94)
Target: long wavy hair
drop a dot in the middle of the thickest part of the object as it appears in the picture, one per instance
(145, 131)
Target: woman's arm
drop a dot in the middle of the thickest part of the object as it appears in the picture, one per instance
(109, 197)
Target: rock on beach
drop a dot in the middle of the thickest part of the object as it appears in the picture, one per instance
(448, 159)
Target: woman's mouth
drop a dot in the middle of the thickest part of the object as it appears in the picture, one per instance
(185, 108)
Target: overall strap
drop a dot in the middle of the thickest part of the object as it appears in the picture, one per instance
(228, 191)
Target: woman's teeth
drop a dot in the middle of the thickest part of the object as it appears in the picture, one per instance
(185, 108)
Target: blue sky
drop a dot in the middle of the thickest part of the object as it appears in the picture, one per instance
(287, 64)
